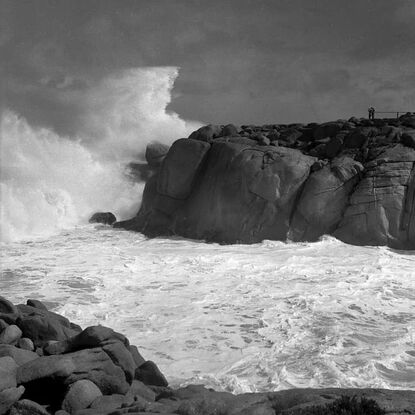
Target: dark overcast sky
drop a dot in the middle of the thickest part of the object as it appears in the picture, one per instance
(240, 60)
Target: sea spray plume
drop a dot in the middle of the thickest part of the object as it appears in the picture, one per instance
(50, 182)
(127, 110)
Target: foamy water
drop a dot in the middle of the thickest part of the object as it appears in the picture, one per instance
(243, 317)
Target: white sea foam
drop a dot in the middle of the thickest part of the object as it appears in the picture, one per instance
(50, 182)
(242, 317)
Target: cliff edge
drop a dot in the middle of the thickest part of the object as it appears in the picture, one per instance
(353, 179)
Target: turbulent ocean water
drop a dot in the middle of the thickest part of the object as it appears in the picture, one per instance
(258, 317)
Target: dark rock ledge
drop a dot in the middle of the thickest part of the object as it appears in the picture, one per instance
(354, 179)
(49, 365)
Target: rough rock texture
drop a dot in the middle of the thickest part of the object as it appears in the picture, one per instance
(352, 179)
(107, 218)
(381, 210)
(92, 375)
(80, 395)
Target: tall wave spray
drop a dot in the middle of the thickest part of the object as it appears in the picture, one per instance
(51, 182)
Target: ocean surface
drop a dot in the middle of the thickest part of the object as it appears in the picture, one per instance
(241, 318)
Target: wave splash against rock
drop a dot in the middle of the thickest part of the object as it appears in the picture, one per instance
(351, 179)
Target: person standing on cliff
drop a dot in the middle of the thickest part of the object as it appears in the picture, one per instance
(371, 111)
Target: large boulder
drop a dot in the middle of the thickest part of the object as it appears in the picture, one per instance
(27, 407)
(381, 210)
(8, 397)
(19, 355)
(150, 374)
(92, 336)
(80, 395)
(329, 129)
(8, 370)
(41, 325)
(207, 133)
(7, 307)
(408, 138)
(60, 370)
(10, 335)
(408, 120)
(324, 199)
(246, 194)
(359, 137)
(156, 153)
(229, 130)
(107, 218)
(181, 167)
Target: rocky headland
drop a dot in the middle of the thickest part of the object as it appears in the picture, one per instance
(49, 365)
(353, 179)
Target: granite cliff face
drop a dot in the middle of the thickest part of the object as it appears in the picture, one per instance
(352, 179)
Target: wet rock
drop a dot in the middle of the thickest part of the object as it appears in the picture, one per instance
(242, 189)
(207, 133)
(62, 370)
(93, 336)
(408, 120)
(3, 325)
(20, 356)
(380, 210)
(138, 388)
(53, 367)
(229, 130)
(10, 335)
(156, 153)
(27, 407)
(111, 402)
(7, 307)
(107, 218)
(121, 356)
(41, 326)
(150, 374)
(359, 137)
(324, 199)
(408, 139)
(329, 129)
(36, 304)
(138, 359)
(26, 344)
(246, 194)
(8, 369)
(8, 397)
(97, 366)
(80, 395)
(181, 167)
(334, 146)
(290, 136)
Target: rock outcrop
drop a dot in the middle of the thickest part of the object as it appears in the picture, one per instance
(107, 218)
(352, 179)
(97, 372)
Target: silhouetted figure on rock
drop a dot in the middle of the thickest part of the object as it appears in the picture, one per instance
(371, 111)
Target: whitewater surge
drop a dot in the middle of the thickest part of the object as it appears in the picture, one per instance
(51, 182)
(258, 317)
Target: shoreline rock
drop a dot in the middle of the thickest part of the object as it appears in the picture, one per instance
(96, 371)
(353, 179)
